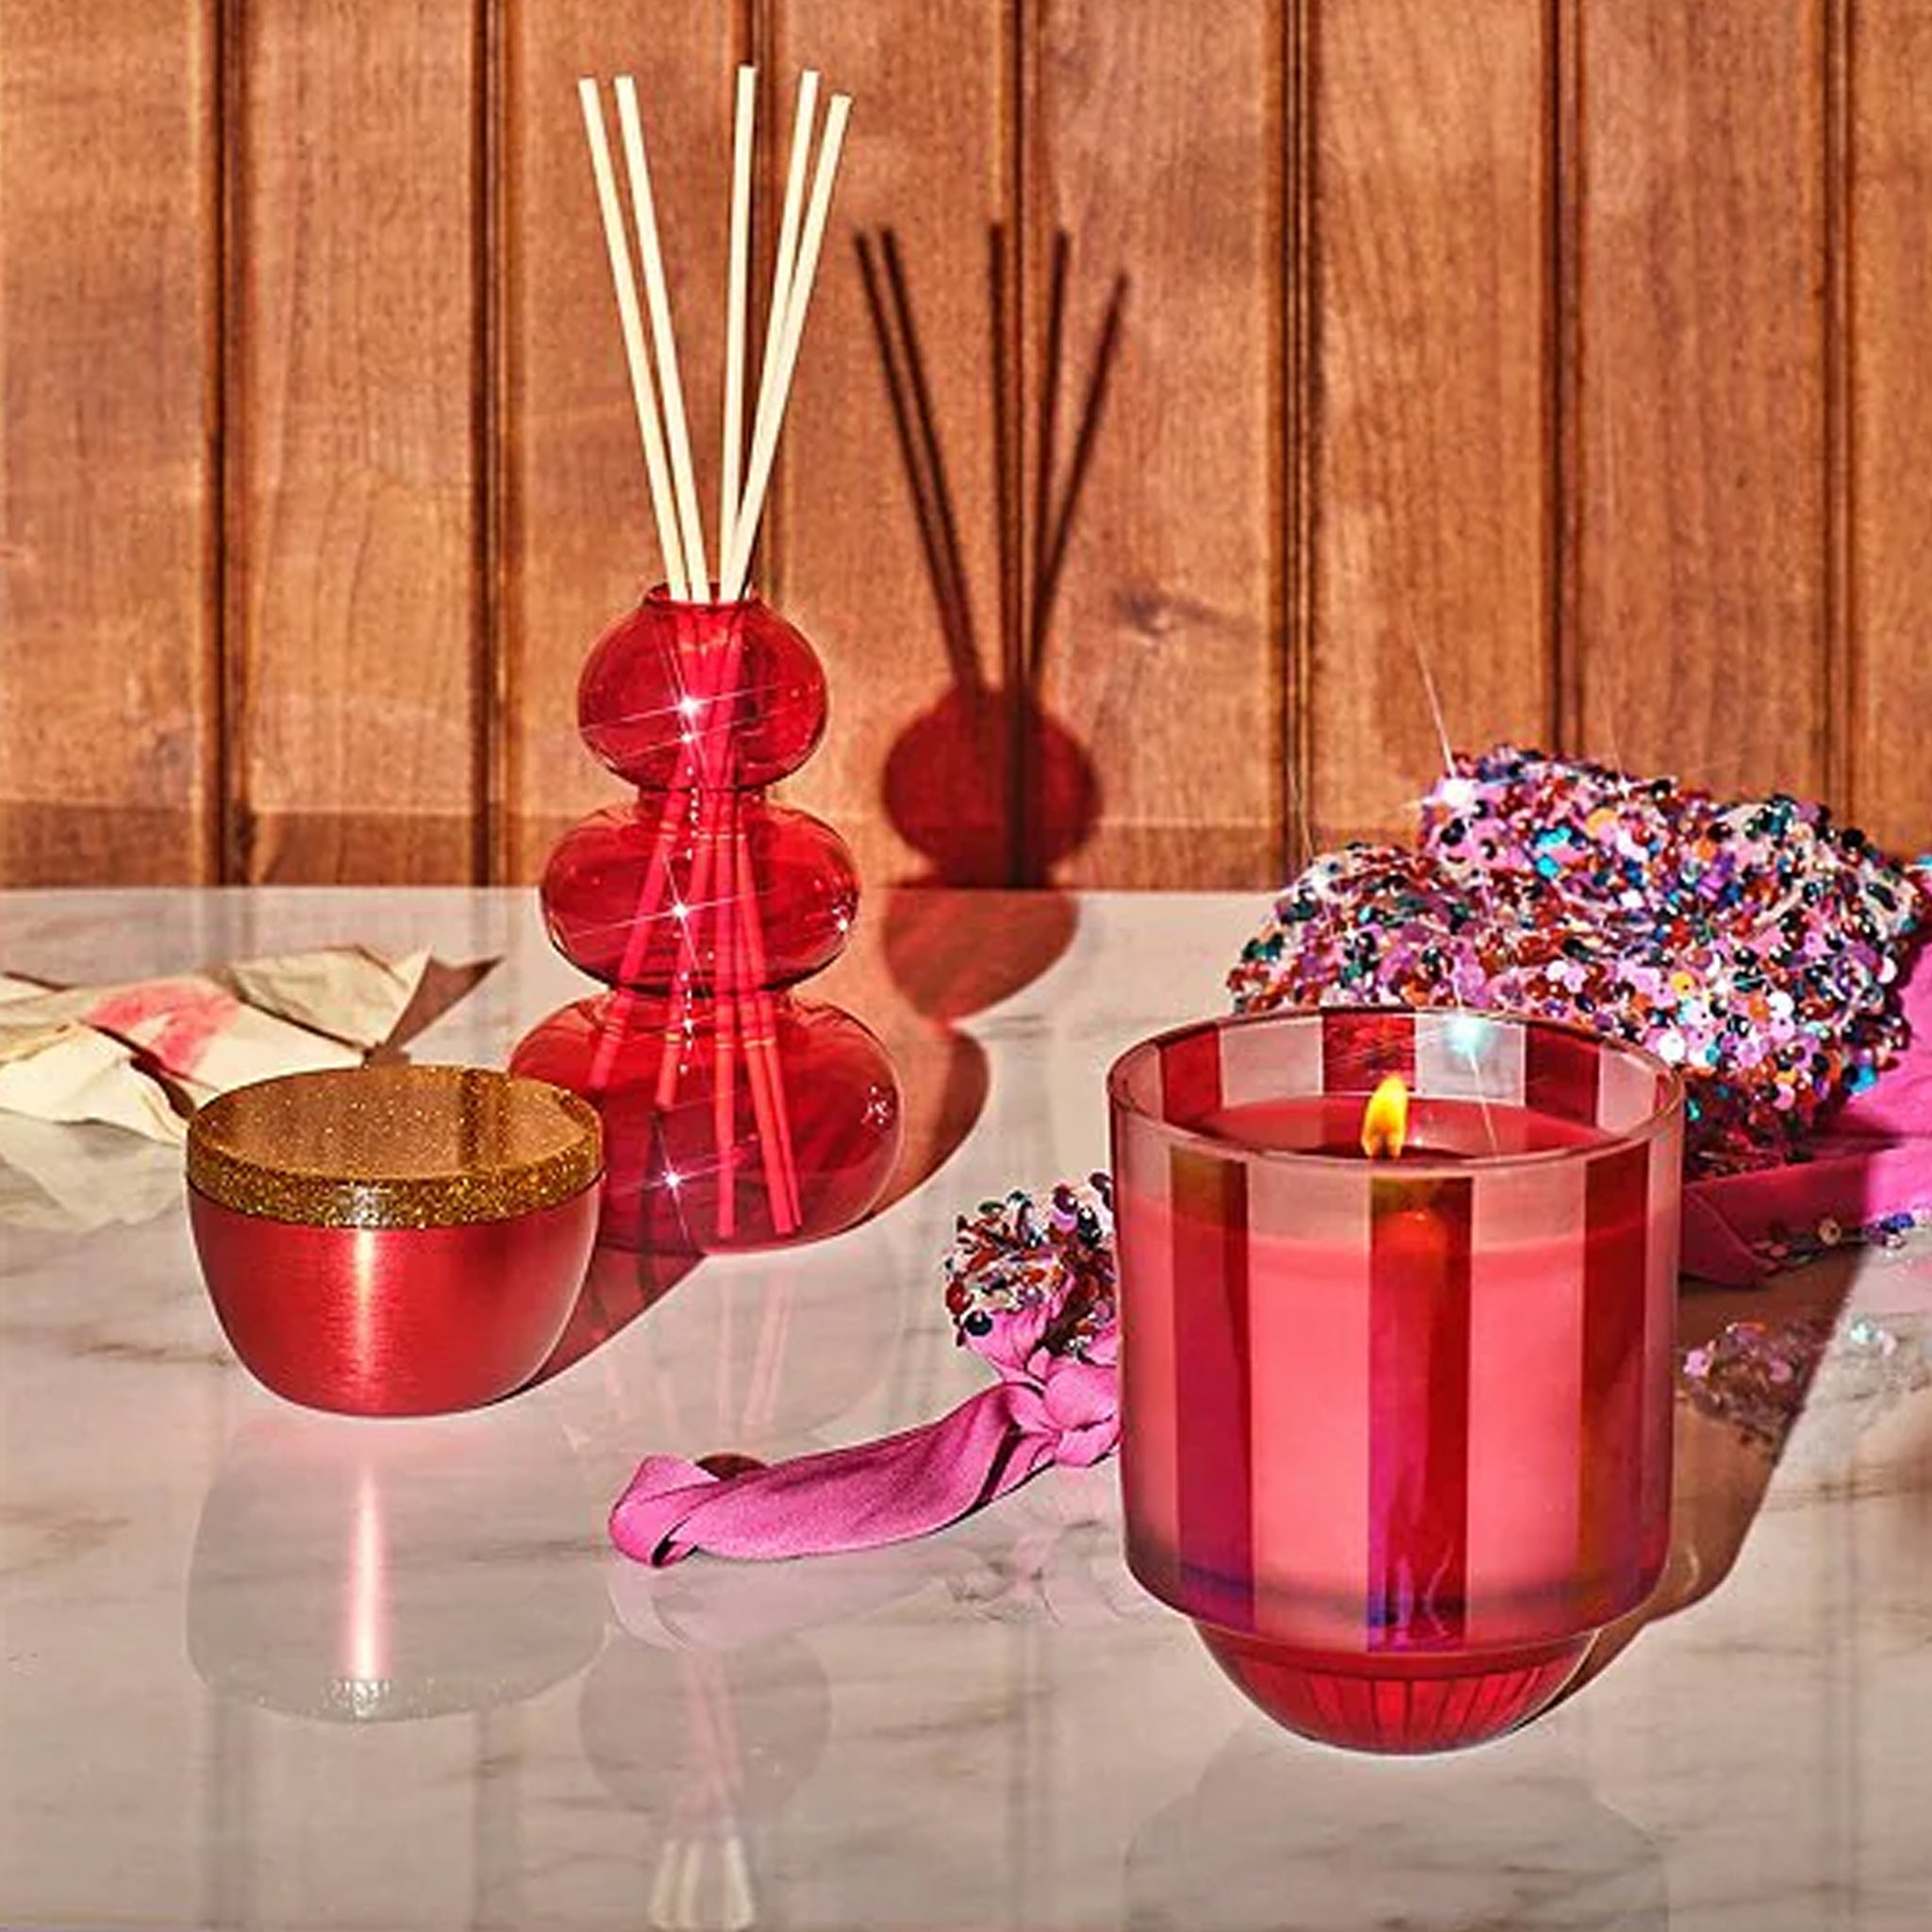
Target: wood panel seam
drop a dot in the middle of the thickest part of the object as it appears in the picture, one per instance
(491, 694)
(1301, 429)
(210, 860)
(1027, 200)
(232, 826)
(758, 30)
(1564, 349)
(1838, 667)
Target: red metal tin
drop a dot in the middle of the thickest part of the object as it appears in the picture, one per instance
(398, 1240)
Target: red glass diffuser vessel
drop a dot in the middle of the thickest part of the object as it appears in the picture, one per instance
(736, 1115)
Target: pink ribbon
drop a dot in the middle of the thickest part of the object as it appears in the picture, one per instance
(1058, 1410)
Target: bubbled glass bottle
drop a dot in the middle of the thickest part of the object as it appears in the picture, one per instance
(735, 1114)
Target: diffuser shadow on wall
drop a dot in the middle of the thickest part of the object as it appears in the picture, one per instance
(987, 785)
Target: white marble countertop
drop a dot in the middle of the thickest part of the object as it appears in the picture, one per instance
(994, 1728)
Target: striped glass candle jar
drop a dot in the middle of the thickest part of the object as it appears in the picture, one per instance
(1396, 1403)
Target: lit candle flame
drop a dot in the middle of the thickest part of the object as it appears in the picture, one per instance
(1385, 1120)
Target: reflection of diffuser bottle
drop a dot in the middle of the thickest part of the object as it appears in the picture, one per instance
(710, 1748)
(735, 1115)
(1281, 1837)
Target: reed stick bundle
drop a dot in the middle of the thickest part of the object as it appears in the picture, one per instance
(719, 908)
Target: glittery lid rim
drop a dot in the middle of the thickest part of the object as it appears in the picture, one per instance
(311, 1199)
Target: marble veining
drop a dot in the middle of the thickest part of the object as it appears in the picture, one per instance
(262, 1668)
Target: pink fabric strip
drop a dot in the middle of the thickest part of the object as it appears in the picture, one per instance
(886, 1492)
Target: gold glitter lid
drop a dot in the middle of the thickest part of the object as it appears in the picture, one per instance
(402, 1146)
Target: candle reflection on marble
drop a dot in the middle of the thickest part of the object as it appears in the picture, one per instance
(1396, 1431)
(1520, 1839)
(337, 1571)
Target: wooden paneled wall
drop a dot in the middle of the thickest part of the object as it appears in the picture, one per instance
(1547, 369)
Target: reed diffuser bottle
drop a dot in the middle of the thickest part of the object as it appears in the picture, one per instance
(734, 1114)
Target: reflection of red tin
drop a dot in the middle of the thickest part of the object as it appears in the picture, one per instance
(395, 1241)
(336, 1571)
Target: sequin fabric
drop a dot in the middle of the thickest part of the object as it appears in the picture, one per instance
(1756, 945)
(1793, 1247)
(1032, 1270)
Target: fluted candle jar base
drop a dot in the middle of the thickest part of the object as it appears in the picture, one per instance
(1401, 1706)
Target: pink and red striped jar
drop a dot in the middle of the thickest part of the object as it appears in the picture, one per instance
(1396, 1434)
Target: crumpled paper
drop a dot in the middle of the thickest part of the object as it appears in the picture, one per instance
(141, 1055)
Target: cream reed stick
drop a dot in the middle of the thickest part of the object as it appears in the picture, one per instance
(737, 276)
(772, 409)
(797, 173)
(664, 338)
(642, 394)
